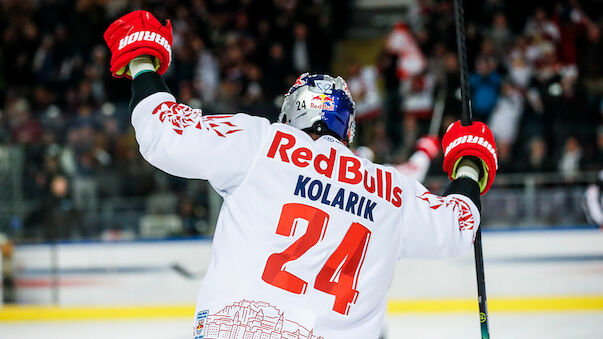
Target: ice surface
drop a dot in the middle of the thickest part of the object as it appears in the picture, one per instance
(554, 325)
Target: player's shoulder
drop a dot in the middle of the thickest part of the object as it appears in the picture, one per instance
(284, 128)
(238, 122)
(246, 117)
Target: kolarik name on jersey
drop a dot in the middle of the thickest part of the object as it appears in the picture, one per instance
(351, 202)
(349, 167)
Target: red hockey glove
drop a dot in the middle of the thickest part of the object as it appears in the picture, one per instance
(430, 145)
(135, 34)
(473, 140)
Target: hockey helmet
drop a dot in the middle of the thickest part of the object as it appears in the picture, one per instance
(321, 104)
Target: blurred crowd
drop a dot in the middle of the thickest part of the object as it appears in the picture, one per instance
(536, 79)
(82, 171)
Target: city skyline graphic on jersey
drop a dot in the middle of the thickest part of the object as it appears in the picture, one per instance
(249, 319)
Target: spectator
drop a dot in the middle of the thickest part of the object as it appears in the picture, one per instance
(387, 65)
(362, 82)
(569, 164)
(519, 67)
(56, 217)
(504, 123)
(300, 50)
(500, 33)
(25, 129)
(451, 83)
(485, 87)
(540, 25)
(275, 81)
(207, 73)
(537, 157)
(193, 217)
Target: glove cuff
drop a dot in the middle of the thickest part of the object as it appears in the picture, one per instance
(141, 64)
(467, 168)
(460, 170)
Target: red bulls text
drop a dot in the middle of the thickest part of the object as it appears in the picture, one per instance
(349, 168)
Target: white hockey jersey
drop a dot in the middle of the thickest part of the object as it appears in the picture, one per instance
(308, 233)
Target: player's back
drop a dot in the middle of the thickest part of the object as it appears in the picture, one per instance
(308, 233)
(307, 242)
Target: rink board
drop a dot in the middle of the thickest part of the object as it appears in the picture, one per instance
(527, 271)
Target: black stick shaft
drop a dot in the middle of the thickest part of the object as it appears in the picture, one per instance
(466, 118)
(459, 16)
(481, 285)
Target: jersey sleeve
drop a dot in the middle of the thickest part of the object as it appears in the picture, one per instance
(433, 226)
(183, 142)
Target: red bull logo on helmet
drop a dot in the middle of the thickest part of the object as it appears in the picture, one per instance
(323, 102)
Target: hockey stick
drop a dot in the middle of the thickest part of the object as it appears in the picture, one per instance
(438, 112)
(466, 117)
(186, 273)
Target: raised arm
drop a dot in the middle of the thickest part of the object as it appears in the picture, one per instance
(182, 141)
(174, 137)
(444, 226)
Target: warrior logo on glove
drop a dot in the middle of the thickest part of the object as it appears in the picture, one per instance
(135, 34)
(146, 36)
(475, 140)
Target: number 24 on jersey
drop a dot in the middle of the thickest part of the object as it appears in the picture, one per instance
(338, 276)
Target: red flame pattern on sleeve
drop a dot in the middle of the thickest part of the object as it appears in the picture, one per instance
(181, 116)
(460, 208)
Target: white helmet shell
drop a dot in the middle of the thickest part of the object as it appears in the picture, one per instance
(321, 103)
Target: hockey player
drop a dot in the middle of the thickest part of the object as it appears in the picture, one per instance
(308, 233)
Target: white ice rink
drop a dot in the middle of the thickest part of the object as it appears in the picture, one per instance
(541, 285)
(407, 326)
